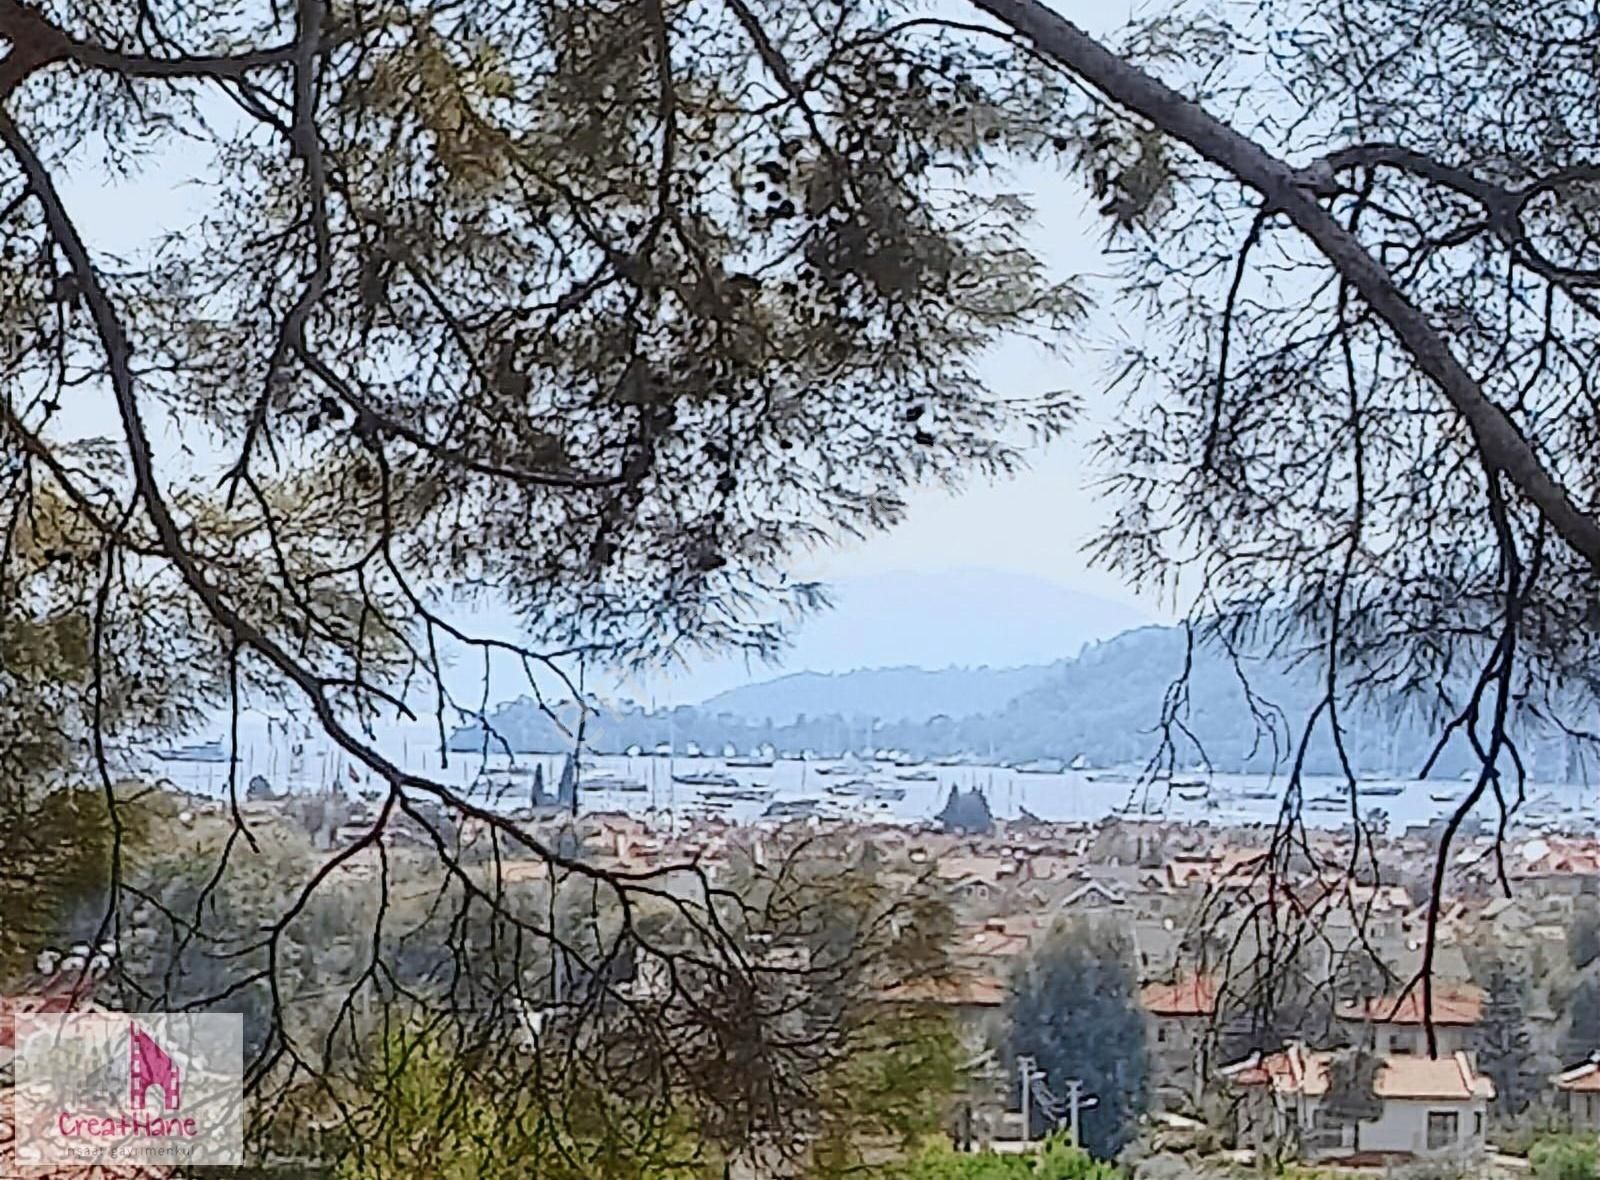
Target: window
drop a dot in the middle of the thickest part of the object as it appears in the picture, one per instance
(1328, 1132)
(1400, 1042)
(1161, 1034)
(1477, 1124)
(1444, 1128)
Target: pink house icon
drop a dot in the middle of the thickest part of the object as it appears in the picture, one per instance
(149, 1065)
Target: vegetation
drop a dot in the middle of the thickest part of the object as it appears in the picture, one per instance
(661, 1062)
(1505, 1051)
(1352, 1097)
(602, 312)
(55, 866)
(1055, 1160)
(1564, 1158)
(1074, 1008)
(1581, 1035)
(1583, 935)
(611, 310)
(434, 1119)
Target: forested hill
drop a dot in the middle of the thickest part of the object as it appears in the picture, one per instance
(1105, 704)
(892, 694)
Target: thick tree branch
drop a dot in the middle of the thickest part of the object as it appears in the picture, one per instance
(169, 533)
(37, 42)
(1503, 446)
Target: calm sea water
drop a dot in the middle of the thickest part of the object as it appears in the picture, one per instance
(1070, 795)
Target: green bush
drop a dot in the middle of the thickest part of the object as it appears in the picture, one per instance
(1056, 1160)
(1059, 1160)
(1564, 1158)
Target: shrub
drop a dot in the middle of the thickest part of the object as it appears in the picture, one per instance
(1564, 1158)
(1058, 1160)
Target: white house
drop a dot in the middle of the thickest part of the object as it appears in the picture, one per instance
(1429, 1106)
(1396, 1024)
(1578, 1095)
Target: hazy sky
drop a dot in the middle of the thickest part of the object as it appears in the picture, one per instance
(1037, 522)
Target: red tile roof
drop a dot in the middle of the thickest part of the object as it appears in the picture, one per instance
(1458, 1004)
(1191, 995)
(1297, 1070)
(1581, 1079)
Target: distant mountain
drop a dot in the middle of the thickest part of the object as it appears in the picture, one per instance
(892, 694)
(1104, 704)
(961, 618)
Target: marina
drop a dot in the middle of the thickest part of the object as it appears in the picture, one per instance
(892, 787)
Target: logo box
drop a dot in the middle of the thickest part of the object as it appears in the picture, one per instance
(135, 1088)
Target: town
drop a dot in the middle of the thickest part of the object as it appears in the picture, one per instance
(1285, 1007)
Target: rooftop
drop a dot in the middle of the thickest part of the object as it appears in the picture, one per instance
(1189, 995)
(1297, 1070)
(1458, 1004)
(1580, 1079)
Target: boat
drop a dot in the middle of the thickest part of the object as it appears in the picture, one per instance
(1079, 763)
(1442, 796)
(792, 809)
(1039, 766)
(849, 764)
(1191, 794)
(749, 762)
(1384, 789)
(613, 782)
(1258, 793)
(521, 770)
(1113, 776)
(1182, 782)
(1328, 803)
(917, 776)
(212, 751)
(740, 794)
(862, 789)
(663, 749)
(706, 778)
(852, 788)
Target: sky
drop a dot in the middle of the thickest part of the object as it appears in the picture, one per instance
(1032, 526)
(1037, 522)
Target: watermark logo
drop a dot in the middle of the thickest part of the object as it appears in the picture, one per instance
(150, 1065)
(129, 1088)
